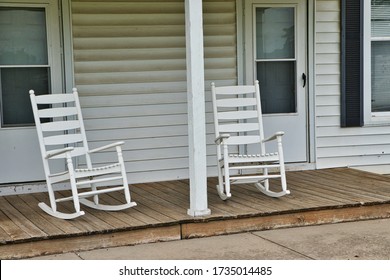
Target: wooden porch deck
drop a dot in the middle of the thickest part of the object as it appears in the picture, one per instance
(317, 196)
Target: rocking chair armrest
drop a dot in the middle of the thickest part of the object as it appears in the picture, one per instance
(221, 137)
(106, 147)
(58, 152)
(275, 136)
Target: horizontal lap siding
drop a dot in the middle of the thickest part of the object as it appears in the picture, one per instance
(336, 146)
(130, 70)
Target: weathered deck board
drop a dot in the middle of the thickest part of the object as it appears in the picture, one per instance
(33, 216)
(317, 196)
(67, 226)
(141, 213)
(151, 212)
(21, 221)
(332, 187)
(163, 201)
(345, 189)
(181, 190)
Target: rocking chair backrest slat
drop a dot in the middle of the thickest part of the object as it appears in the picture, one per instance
(57, 112)
(238, 127)
(237, 115)
(236, 102)
(60, 125)
(242, 140)
(67, 139)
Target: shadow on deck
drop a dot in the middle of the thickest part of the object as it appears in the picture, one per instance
(317, 197)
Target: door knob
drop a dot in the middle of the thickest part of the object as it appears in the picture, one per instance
(304, 79)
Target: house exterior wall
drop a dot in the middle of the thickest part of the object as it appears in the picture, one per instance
(337, 146)
(130, 71)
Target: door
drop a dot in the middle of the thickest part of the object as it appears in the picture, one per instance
(275, 45)
(30, 58)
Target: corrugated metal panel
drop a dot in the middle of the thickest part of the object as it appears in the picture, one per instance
(336, 146)
(130, 70)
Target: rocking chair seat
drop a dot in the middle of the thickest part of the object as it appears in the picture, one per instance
(94, 171)
(237, 158)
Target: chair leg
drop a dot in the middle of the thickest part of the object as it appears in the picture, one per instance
(94, 188)
(266, 182)
(264, 187)
(224, 185)
(220, 186)
(124, 177)
(52, 197)
(72, 179)
(53, 209)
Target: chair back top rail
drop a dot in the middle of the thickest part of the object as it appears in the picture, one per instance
(54, 98)
(235, 90)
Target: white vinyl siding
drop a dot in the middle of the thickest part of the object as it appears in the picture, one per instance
(130, 70)
(336, 146)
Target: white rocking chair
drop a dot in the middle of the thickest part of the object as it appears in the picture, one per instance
(61, 134)
(238, 123)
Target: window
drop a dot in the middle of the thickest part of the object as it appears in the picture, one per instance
(377, 61)
(23, 62)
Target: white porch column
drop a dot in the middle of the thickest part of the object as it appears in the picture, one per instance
(196, 108)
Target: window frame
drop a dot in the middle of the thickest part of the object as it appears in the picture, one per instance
(370, 117)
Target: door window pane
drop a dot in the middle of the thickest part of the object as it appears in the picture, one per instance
(275, 59)
(275, 33)
(23, 36)
(277, 86)
(15, 86)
